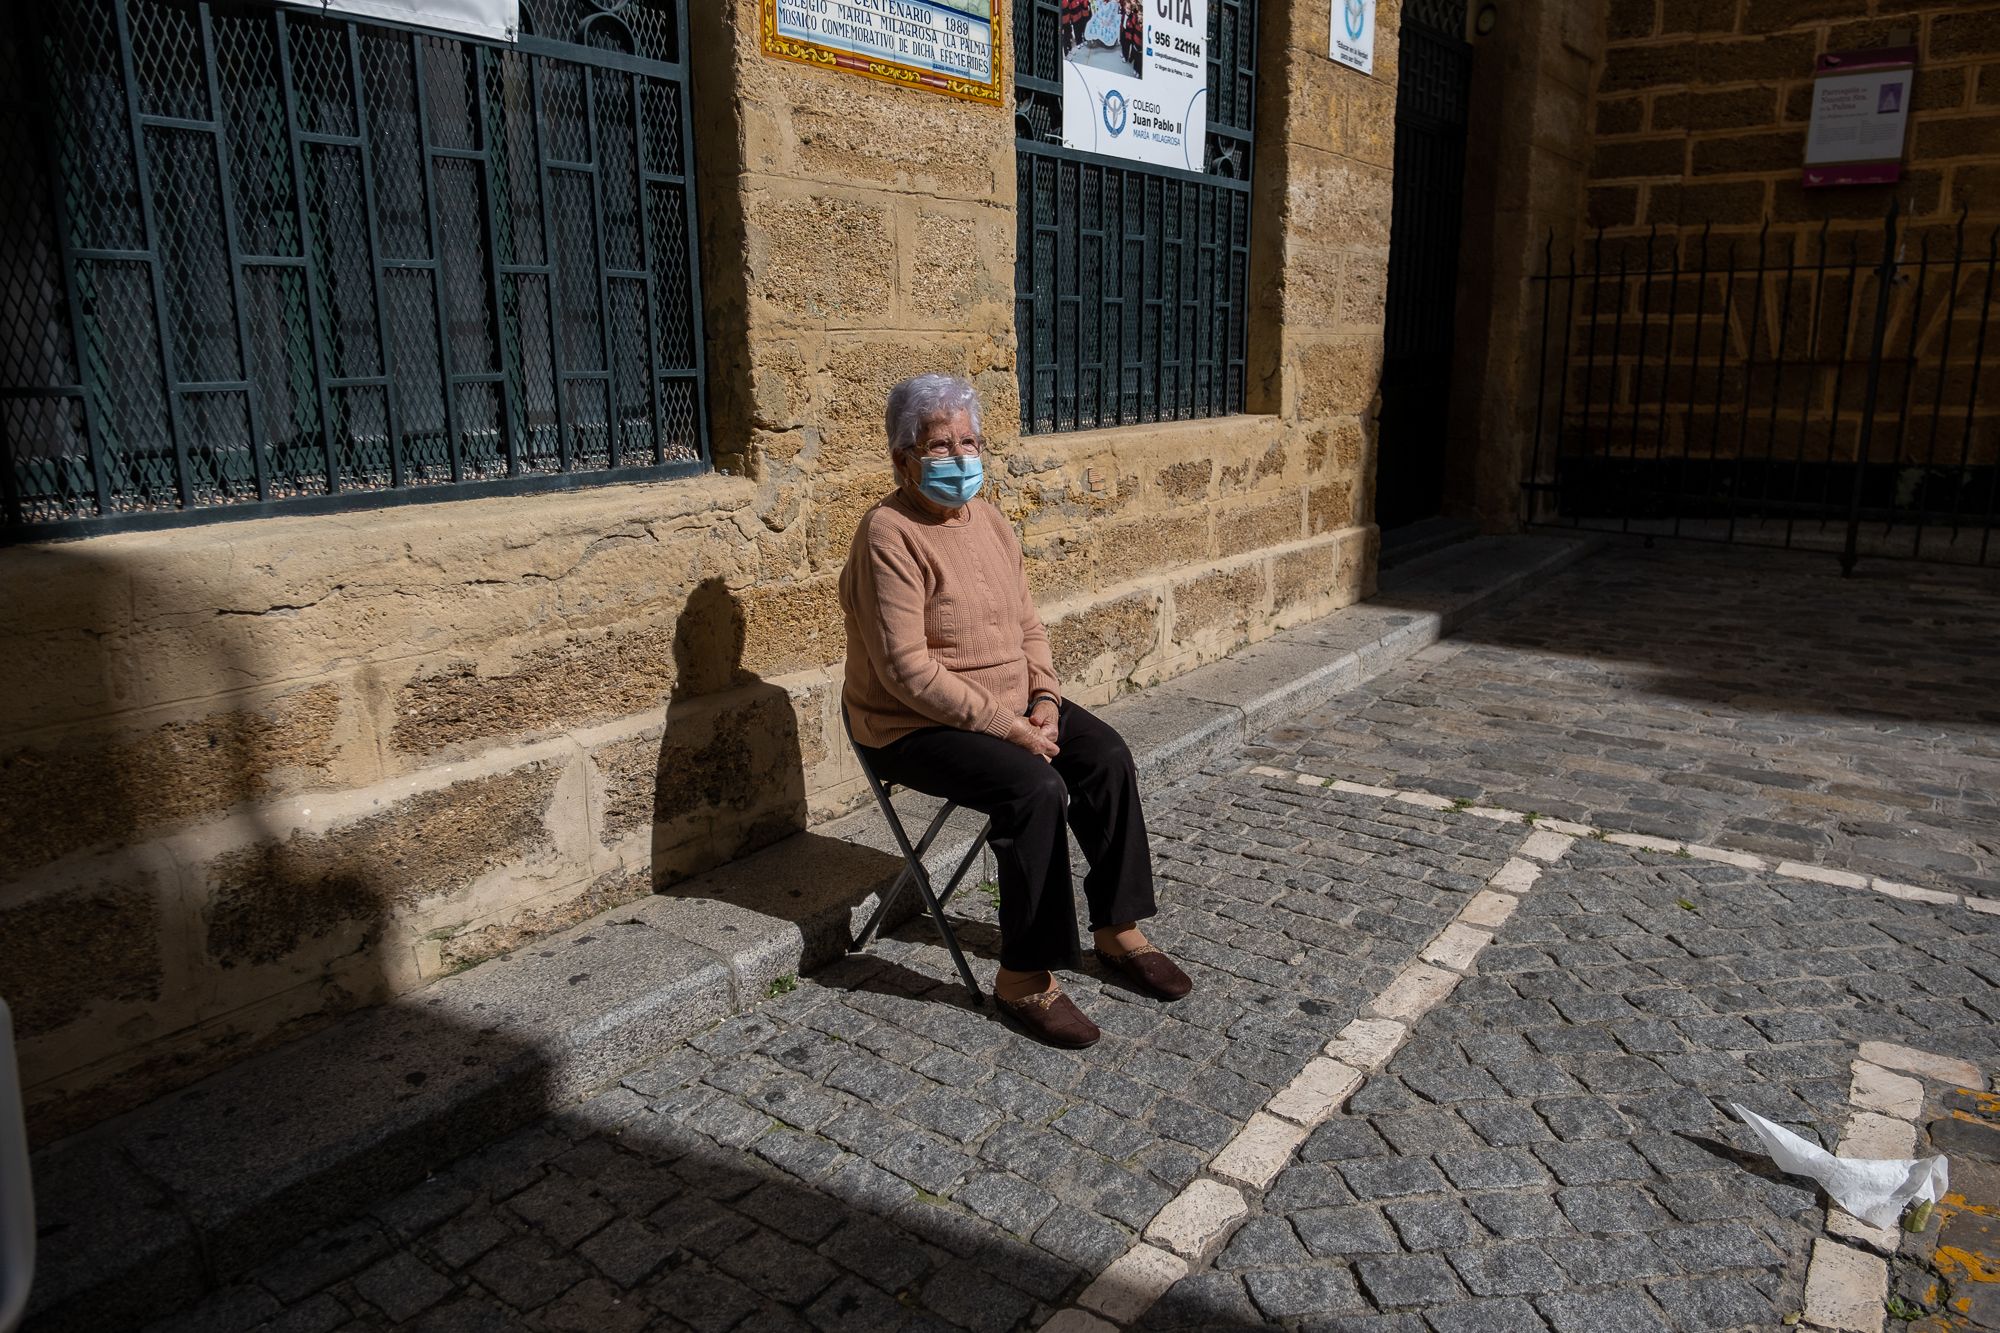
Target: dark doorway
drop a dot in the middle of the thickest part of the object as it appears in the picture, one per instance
(1435, 64)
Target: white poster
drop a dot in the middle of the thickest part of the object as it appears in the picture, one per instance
(1135, 79)
(1858, 117)
(497, 19)
(1351, 34)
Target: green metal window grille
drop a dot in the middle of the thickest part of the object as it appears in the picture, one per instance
(257, 260)
(1130, 280)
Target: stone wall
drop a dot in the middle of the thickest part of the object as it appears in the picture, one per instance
(255, 774)
(1701, 112)
(1528, 151)
(1636, 115)
(1700, 119)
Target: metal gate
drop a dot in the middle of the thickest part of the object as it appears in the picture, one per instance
(1130, 281)
(1434, 65)
(1812, 389)
(259, 260)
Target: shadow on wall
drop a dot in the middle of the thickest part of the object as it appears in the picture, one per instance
(167, 907)
(731, 772)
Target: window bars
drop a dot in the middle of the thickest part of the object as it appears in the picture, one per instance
(1130, 281)
(1813, 389)
(264, 260)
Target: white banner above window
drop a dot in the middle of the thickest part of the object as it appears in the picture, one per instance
(494, 19)
(1135, 80)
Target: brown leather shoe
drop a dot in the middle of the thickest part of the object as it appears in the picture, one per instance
(1051, 1017)
(1150, 970)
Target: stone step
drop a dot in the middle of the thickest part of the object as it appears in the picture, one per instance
(1412, 540)
(142, 1214)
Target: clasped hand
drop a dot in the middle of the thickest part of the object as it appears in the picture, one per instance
(1036, 733)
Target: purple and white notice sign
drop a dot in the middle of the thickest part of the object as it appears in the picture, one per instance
(1860, 110)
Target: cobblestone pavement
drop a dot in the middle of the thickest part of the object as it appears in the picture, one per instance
(1550, 1149)
(869, 1149)
(1755, 700)
(1546, 1150)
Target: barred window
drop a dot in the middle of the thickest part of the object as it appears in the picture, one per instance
(1130, 280)
(260, 260)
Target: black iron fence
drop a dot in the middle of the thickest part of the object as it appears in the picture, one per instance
(1131, 281)
(256, 259)
(1813, 389)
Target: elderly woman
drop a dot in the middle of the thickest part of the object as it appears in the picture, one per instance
(951, 689)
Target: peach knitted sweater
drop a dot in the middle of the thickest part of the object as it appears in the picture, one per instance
(941, 630)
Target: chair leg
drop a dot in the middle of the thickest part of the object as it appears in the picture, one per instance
(912, 856)
(889, 895)
(950, 936)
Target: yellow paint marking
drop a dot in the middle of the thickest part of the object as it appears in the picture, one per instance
(1979, 1267)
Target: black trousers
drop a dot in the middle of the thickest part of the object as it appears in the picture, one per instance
(1091, 784)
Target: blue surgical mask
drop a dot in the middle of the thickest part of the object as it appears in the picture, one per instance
(951, 481)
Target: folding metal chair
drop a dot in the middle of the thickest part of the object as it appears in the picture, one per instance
(913, 865)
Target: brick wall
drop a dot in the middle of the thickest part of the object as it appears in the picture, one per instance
(1719, 362)
(1701, 111)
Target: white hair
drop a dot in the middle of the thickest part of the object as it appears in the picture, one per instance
(922, 399)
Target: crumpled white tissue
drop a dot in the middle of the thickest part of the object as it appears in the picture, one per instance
(1876, 1190)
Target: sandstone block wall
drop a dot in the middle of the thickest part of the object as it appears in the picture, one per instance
(255, 774)
(1701, 112)
(1632, 115)
(1700, 117)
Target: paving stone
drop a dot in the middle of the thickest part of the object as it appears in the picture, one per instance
(925, 1162)
(702, 1298)
(1878, 1136)
(527, 1272)
(1008, 1201)
(1292, 1293)
(1432, 1224)
(1383, 1178)
(852, 1306)
(1845, 1288)
(1505, 1124)
(1263, 1242)
(976, 1301)
(1414, 992)
(1336, 1232)
(1888, 1055)
(1593, 1163)
(881, 1253)
(1513, 1216)
(1601, 1311)
(1610, 1208)
(1259, 1151)
(1133, 1282)
(1407, 1279)
(1204, 1301)
(1507, 1269)
(1711, 1302)
(1342, 1139)
(951, 1114)
(1191, 1124)
(1500, 1169)
(1317, 1092)
(625, 1252)
(1197, 1219)
(1501, 1315)
(1714, 1247)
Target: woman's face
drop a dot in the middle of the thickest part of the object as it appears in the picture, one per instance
(940, 437)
